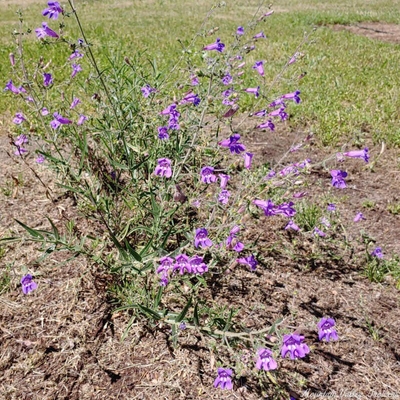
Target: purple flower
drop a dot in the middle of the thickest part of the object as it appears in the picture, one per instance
(292, 96)
(44, 31)
(377, 253)
(359, 216)
(258, 66)
(182, 264)
(10, 86)
(265, 360)
(270, 175)
(318, 232)
(191, 97)
(163, 133)
(241, 65)
(292, 225)
(201, 238)
(53, 10)
(267, 124)
(286, 209)
(12, 59)
(197, 266)
(250, 261)
(44, 111)
(261, 113)
(167, 111)
(325, 221)
(215, 46)
(82, 118)
(59, 120)
(326, 329)
(232, 243)
(223, 180)
(163, 168)
(358, 154)
(147, 90)
(240, 31)
(207, 175)
(338, 178)
(19, 118)
(223, 196)
(165, 267)
(280, 112)
(47, 79)
(248, 157)
(74, 55)
(28, 285)
(255, 91)
(194, 80)
(331, 207)
(259, 36)
(227, 79)
(75, 102)
(19, 142)
(266, 15)
(233, 144)
(40, 159)
(293, 344)
(268, 206)
(224, 379)
(75, 69)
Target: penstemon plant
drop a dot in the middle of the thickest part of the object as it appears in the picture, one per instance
(159, 162)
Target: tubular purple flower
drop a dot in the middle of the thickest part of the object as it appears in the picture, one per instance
(265, 15)
(19, 142)
(74, 55)
(267, 124)
(163, 133)
(318, 232)
(326, 329)
(169, 109)
(47, 79)
(255, 91)
(232, 243)
(267, 206)
(292, 225)
(190, 97)
(81, 120)
(293, 344)
(359, 216)
(227, 79)
(250, 261)
(19, 118)
(218, 46)
(165, 267)
(197, 266)
(259, 67)
(201, 238)
(182, 264)
(74, 103)
(194, 80)
(44, 111)
(286, 209)
(248, 157)
(338, 178)
(358, 154)
(207, 175)
(224, 379)
(280, 112)
(59, 120)
(53, 10)
(27, 283)
(233, 144)
(75, 69)
(45, 31)
(223, 180)
(240, 31)
(292, 96)
(331, 207)
(377, 253)
(163, 168)
(259, 36)
(277, 102)
(40, 159)
(223, 196)
(261, 113)
(265, 360)
(10, 86)
(147, 90)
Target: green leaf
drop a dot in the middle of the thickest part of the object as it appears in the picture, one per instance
(33, 232)
(55, 230)
(158, 297)
(149, 312)
(132, 252)
(183, 313)
(196, 314)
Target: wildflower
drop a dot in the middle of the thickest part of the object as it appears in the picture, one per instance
(233, 144)
(59, 120)
(169, 109)
(318, 232)
(10, 86)
(19, 142)
(326, 329)
(248, 157)
(255, 91)
(292, 96)
(299, 195)
(292, 225)
(241, 65)
(231, 242)
(258, 66)
(163, 168)
(182, 264)
(240, 31)
(75, 102)
(44, 31)
(280, 112)
(12, 59)
(223, 196)
(207, 175)
(182, 326)
(331, 207)
(40, 159)
(359, 216)
(163, 133)
(270, 175)
(19, 118)
(194, 80)
(277, 102)
(265, 360)
(325, 221)
(82, 118)
(147, 90)
(267, 206)
(293, 344)
(227, 79)
(44, 111)
(358, 154)
(223, 180)
(173, 122)
(224, 379)
(28, 285)
(261, 113)
(53, 10)
(377, 253)
(47, 79)
(75, 69)
(250, 261)
(338, 178)
(218, 46)
(265, 15)
(190, 97)
(201, 238)
(286, 209)
(165, 267)
(267, 124)
(197, 266)
(259, 36)
(74, 55)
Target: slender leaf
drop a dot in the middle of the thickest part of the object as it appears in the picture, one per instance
(183, 313)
